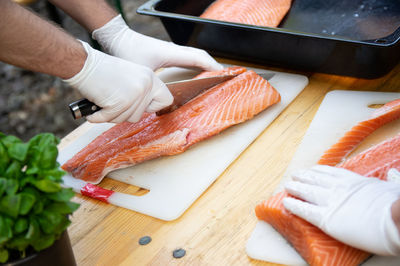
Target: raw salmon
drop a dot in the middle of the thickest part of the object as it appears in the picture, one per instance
(218, 108)
(316, 247)
(377, 160)
(359, 132)
(235, 70)
(126, 129)
(313, 245)
(268, 13)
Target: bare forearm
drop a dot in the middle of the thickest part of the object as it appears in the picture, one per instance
(91, 14)
(32, 43)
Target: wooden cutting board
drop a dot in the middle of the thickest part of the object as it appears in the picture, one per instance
(339, 111)
(175, 182)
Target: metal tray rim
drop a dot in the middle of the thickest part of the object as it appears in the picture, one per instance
(148, 8)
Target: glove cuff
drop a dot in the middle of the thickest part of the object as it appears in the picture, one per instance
(90, 63)
(108, 35)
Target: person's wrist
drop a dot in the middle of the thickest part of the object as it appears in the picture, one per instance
(79, 77)
(74, 61)
(107, 35)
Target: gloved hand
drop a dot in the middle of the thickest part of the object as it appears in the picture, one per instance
(393, 175)
(119, 40)
(352, 208)
(123, 89)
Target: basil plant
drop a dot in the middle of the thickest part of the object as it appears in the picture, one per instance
(34, 207)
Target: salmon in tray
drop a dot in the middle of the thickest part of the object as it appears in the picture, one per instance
(267, 13)
(216, 109)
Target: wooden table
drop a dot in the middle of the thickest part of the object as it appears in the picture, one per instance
(215, 229)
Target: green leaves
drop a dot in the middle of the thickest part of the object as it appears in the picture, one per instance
(64, 195)
(5, 230)
(3, 185)
(3, 255)
(14, 170)
(34, 208)
(50, 221)
(14, 203)
(43, 242)
(11, 186)
(10, 204)
(27, 201)
(63, 207)
(8, 141)
(21, 225)
(18, 151)
(43, 151)
(4, 158)
(46, 185)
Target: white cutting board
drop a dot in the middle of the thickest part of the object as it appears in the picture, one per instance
(175, 182)
(339, 112)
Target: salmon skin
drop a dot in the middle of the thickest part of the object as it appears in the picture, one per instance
(267, 13)
(313, 245)
(216, 109)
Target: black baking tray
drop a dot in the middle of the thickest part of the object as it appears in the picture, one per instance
(352, 38)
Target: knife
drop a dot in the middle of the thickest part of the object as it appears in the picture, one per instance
(182, 91)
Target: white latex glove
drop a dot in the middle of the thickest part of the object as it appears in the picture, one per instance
(119, 40)
(352, 208)
(393, 175)
(123, 89)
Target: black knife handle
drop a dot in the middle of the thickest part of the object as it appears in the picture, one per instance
(82, 108)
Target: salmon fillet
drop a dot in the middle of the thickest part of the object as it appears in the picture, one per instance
(126, 129)
(377, 160)
(267, 13)
(313, 245)
(218, 108)
(316, 247)
(359, 132)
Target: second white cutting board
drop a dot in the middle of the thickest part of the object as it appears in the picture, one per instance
(175, 182)
(339, 111)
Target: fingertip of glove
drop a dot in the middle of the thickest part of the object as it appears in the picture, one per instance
(209, 63)
(97, 117)
(213, 65)
(134, 118)
(298, 173)
(93, 119)
(322, 168)
(218, 67)
(290, 186)
(289, 203)
(154, 107)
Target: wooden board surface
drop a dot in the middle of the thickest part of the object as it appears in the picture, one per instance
(214, 230)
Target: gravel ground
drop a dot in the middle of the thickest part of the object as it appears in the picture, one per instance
(31, 102)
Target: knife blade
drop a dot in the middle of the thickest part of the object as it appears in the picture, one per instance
(182, 91)
(185, 90)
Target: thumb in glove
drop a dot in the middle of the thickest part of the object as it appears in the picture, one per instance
(352, 208)
(123, 89)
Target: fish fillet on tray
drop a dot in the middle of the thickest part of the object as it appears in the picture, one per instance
(268, 13)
